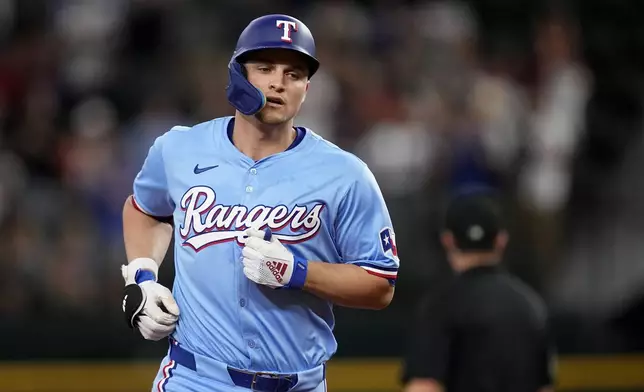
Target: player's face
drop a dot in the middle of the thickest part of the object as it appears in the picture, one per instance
(282, 75)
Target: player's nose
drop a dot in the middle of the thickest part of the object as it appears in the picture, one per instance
(277, 84)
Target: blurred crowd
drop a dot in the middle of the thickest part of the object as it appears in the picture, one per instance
(433, 95)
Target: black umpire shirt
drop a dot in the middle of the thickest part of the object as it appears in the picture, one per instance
(486, 332)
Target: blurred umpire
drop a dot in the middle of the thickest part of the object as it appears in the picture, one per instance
(485, 331)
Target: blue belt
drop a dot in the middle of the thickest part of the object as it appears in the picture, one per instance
(255, 381)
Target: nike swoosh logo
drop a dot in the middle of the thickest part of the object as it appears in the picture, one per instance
(199, 170)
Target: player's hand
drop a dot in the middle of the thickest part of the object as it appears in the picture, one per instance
(269, 263)
(148, 306)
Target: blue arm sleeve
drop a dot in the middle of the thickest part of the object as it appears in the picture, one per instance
(364, 231)
(151, 193)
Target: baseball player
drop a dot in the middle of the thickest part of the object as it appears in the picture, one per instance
(273, 226)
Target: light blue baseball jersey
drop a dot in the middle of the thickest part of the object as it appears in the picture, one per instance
(323, 204)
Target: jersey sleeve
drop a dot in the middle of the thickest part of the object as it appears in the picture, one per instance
(151, 193)
(364, 232)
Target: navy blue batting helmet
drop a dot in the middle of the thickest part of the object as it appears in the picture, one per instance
(266, 32)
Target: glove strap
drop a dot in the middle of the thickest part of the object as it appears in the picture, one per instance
(143, 275)
(300, 270)
(140, 270)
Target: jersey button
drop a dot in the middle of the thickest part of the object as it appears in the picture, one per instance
(251, 343)
(249, 189)
(253, 171)
(242, 302)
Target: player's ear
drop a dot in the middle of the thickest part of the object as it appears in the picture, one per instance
(447, 240)
(502, 239)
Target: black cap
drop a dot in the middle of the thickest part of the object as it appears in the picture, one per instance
(474, 219)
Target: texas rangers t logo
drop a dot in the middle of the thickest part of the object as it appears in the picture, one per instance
(287, 26)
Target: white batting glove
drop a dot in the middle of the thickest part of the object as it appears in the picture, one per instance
(148, 306)
(269, 263)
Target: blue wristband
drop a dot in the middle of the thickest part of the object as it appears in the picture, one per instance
(143, 275)
(300, 269)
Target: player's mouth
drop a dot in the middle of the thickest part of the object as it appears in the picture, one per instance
(275, 101)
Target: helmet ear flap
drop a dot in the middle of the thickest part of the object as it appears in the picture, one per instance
(244, 97)
(239, 62)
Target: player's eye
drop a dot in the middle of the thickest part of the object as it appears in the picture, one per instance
(294, 75)
(263, 68)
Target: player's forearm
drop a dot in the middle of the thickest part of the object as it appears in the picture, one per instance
(143, 235)
(348, 285)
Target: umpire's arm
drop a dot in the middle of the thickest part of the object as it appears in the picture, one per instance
(425, 363)
(546, 363)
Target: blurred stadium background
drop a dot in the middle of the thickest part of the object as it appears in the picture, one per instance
(542, 100)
